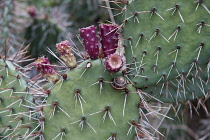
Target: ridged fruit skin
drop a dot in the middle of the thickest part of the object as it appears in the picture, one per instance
(168, 47)
(113, 63)
(90, 40)
(109, 38)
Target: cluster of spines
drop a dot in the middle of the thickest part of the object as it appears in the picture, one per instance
(35, 107)
(174, 84)
(113, 136)
(156, 32)
(138, 68)
(83, 120)
(118, 83)
(19, 110)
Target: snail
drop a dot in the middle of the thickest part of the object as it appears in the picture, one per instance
(119, 83)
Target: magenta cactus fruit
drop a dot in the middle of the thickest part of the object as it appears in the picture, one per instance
(113, 63)
(43, 66)
(109, 38)
(90, 41)
(64, 49)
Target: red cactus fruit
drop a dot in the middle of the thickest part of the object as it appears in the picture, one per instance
(113, 63)
(109, 38)
(43, 66)
(90, 41)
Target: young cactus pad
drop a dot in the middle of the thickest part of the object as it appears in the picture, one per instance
(167, 47)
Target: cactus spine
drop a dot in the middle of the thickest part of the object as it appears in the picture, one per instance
(167, 61)
(168, 48)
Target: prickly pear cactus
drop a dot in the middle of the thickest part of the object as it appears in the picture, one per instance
(16, 105)
(92, 109)
(102, 107)
(92, 99)
(106, 96)
(167, 47)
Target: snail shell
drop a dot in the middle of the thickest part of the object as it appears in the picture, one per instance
(119, 83)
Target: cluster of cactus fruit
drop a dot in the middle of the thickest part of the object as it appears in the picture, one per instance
(104, 96)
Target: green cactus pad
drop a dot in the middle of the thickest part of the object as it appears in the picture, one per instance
(157, 40)
(94, 102)
(13, 100)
